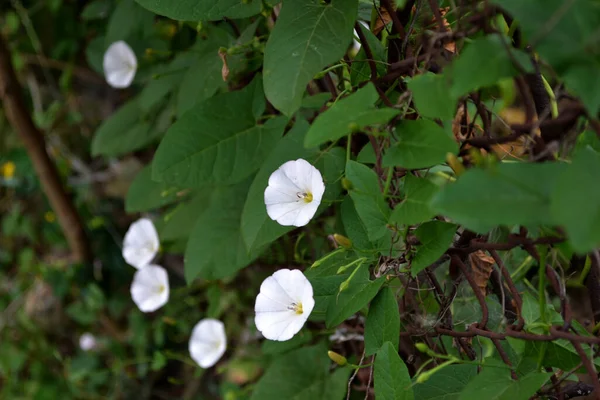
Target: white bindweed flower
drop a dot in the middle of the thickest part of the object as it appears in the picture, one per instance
(208, 342)
(87, 342)
(294, 193)
(283, 305)
(150, 288)
(120, 65)
(141, 243)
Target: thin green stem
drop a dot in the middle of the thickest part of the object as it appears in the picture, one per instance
(388, 181)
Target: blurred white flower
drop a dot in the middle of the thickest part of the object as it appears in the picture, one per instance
(294, 193)
(283, 305)
(141, 243)
(87, 342)
(150, 288)
(208, 342)
(356, 44)
(120, 65)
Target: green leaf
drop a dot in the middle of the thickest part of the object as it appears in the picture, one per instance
(360, 69)
(431, 94)
(505, 194)
(302, 374)
(307, 37)
(354, 228)
(447, 383)
(203, 10)
(367, 155)
(145, 194)
(215, 249)
(421, 144)
(484, 62)
(368, 200)
(575, 201)
(415, 207)
(179, 222)
(208, 146)
(495, 383)
(582, 80)
(273, 347)
(257, 228)
(435, 238)
(127, 18)
(359, 293)
(348, 114)
(123, 132)
(392, 381)
(97, 9)
(383, 322)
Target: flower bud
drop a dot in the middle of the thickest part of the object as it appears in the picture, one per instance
(422, 347)
(455, 164)
(347, 184)
(342, 241)
(337, 358)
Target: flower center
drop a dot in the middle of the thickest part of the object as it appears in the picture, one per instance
(296, 307)
(161, 289)
(306, 196)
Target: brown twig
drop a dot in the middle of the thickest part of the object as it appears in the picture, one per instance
(20, 119)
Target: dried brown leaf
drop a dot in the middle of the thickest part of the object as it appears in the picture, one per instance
(482, 265)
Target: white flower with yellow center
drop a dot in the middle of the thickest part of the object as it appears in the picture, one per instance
(120, 65)
(141, 243)
(283, 305)
(294, 193)
(150, 288)
(208, 342)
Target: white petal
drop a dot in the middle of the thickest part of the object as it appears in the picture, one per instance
(141, 243)
(87, 342)
(282, 194)
(208, 342)
(356, 45)
(120, 65)
(278, 293)
(150, 288)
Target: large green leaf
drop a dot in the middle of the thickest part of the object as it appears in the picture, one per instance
(179, 222)
(360, 69)
(483, 63)
(127, 19)
(145, 194)
(506, 194)
(583, 81)
(257, 228)
(368, 200)
(495, 383)
(392, 381)
(431, 94)
(203, 10)
(421, 144)
(353, 112)
(354, 228)
(447, 383)
(435, 238)
(358, 294)
(576, 201)
(415, 207)
(302, 374)
(125, 131)
(215, 248)
(383, 322)
(308, 36)
(217, 141)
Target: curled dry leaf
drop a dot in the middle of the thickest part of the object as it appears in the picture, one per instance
(225, 69)
(482, 265)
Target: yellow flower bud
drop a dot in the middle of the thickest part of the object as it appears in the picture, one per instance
(346, 184)
(337, 358)
(422, 347)
(455, 164)
(342, 241)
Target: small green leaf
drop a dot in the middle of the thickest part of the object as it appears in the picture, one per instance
(447, 383)
(495, 383)
(203, 10)
(484, 62)
(307, 37)
(505, 194)
(97, 9)
(359, 293)
(360, 70)
(421, 144)
(383, 322)
(392, 381)
(431, 94)
(368, 200)
(347, 115)
(145, 194)
(582, 80)
(415, 207)
(435, 238)
(126, 20)
(302, 374)
(576, 200)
